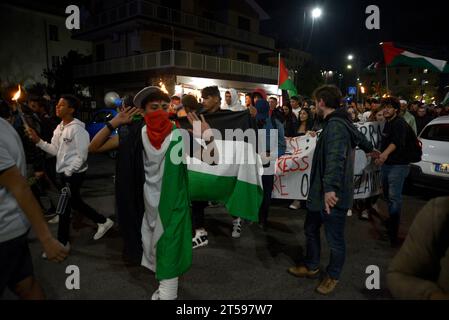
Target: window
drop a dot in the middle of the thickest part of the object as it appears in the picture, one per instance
(398, 71)
(53, 32)
(167, 44)
(54, 61)
(244, 23)
(242, 57)
(436, 132)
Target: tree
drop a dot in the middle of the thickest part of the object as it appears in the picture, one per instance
(60, 79)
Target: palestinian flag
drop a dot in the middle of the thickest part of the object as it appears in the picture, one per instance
(235, 179)
(166, 226)
(396, 56)
(284, 82)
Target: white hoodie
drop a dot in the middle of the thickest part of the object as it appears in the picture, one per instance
(70, 144)
(235, 102)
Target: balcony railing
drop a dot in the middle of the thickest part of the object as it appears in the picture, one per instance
(140, 8)
(178, 59)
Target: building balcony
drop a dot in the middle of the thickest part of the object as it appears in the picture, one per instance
(176, 59)
(131, 11)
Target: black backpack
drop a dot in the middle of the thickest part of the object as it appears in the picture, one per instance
(413, 147)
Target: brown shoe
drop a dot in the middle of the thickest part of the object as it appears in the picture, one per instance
(327, 286)
(303, 272)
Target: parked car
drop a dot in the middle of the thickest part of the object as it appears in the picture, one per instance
(433, 170)
(99, 122)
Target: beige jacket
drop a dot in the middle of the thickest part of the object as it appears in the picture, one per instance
(421, 267)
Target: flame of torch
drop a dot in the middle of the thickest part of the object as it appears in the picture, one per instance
(15, 98)
(163, 88)
(17, 94)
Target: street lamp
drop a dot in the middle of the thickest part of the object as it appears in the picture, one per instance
(316, 13)
(349, 67)
(350, 57)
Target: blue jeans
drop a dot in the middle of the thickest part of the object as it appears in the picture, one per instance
(334, 227)
(393, 177)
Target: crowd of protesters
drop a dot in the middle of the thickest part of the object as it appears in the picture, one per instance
(36, 145)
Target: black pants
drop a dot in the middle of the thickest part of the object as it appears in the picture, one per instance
(15, 262)
(267, 183)
(75, 202)
(198, 214)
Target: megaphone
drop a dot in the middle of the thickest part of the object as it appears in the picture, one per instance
(112, 100)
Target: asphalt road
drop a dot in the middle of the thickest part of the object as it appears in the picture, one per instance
(252, 267)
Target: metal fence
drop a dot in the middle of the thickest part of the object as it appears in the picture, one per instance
(179, 59)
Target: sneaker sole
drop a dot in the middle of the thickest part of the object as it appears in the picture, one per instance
(104, 232)
(205, 243)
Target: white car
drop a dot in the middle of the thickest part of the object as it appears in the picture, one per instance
(433, 169)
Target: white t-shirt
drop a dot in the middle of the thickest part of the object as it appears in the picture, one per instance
(296, 112)
(13, 222)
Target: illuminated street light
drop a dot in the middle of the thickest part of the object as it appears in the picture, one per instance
(316, 13)
(350, 57)
(349, 67)
(414, 79)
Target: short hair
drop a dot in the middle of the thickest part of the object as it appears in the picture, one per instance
(210, 92)
(391, 101)
(72, 101)
(330, 94)
(296, 98)
(274, 98)
(190, 103)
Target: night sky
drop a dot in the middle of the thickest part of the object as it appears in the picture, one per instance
(423, 28)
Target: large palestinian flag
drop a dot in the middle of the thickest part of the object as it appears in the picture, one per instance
(235, 178)
(170, 185)
(166, 226)
(396, 56)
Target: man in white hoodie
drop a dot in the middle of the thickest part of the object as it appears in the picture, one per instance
(232, 101)
(70, 143)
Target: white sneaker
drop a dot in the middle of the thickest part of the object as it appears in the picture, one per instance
(364, 215)
(237, 228)
(54, 220)
(349, 214)
(66, 247)
(200, 239)
(103, 228)
(295, 205)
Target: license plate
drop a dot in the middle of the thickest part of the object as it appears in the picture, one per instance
(444, 167)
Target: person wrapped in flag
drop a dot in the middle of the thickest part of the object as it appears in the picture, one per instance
(166, 225)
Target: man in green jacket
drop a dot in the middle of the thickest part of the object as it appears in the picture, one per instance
(331, 187)
(420, 270)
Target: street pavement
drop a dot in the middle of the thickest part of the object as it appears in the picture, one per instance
(252, 267)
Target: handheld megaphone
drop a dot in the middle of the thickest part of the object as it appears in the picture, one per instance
(112, 100)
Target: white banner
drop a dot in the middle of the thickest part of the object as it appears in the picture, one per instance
(292, 178)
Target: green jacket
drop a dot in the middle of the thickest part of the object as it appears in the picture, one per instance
(333, 161)
(421, 267)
